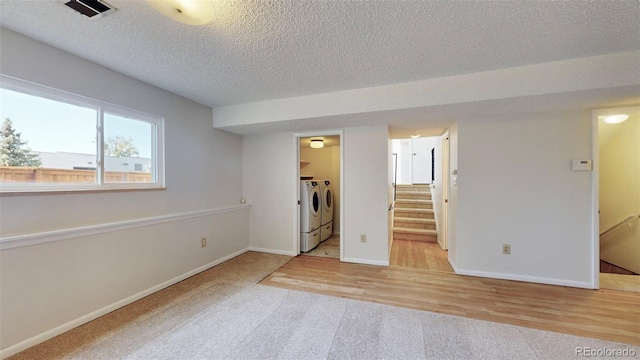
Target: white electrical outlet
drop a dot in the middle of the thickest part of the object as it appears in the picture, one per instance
(203, 242)
(506, 249)
(363, 238)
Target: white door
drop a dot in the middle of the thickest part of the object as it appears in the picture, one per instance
(404, 162)
(421, 161)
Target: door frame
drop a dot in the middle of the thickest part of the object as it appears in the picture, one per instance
(444, 232)
(595, 186)
(296, 164)
(595, 199)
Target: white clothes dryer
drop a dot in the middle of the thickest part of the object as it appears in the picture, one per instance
(326, 220)
(310, 214)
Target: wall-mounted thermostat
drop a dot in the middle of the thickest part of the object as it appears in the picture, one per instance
(581, 165)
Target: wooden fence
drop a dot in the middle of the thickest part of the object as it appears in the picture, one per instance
(42, 175)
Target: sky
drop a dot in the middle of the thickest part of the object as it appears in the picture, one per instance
(51, 126)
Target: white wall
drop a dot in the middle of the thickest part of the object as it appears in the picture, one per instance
(187, 136)
(72, 280)
(270, 185)
(515, 186)
(366, 155)
(620, 195)
(270, 182)
(55, 286)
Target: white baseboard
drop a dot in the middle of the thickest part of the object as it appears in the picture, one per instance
(366, 261)
(453, 266)
(272, 251)
(14, 349)
(531, 279)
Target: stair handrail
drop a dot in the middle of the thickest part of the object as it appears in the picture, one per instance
(623, 222)
(395, 175)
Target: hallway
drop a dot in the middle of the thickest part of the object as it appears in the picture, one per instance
(419, 255)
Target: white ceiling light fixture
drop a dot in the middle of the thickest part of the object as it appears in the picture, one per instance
(415, 136)
(615, 119)
(190, 12)
(316, 144)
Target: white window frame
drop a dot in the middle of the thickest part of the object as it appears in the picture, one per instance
(157, 141)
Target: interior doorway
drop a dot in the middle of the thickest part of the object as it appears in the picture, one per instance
(319, 165)
(420, 170)
(416, 160)
(618, 195)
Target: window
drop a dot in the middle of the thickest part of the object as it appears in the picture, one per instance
(55, 141)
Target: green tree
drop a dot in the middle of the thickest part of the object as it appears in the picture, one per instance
(120, 146)
(13, 151)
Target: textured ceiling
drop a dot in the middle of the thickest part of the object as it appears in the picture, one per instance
(262, 50)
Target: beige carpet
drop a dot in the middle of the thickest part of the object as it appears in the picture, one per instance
(328, 248)
(223, 313)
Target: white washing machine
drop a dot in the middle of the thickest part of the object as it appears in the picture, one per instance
(326, 219)
(310, 214)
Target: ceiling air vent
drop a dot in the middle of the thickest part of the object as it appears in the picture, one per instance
(92, 8)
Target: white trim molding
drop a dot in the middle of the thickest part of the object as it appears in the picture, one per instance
(525, 278)
(272, 251)
(296, 170)
(366, 261)
(17, 241)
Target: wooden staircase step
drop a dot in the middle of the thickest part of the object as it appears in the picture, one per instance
(414, 231)
(414, 203)
(414, 213)
(417, 191)
(414, 223)
(412, 195)
(429, 235)
(414, 186)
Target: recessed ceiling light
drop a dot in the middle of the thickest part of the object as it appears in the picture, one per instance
(415, 136)
(615, 119)
(191, 12)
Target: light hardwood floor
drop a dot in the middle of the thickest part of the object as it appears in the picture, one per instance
(419, 255)
(620, 282)
(603, 314)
